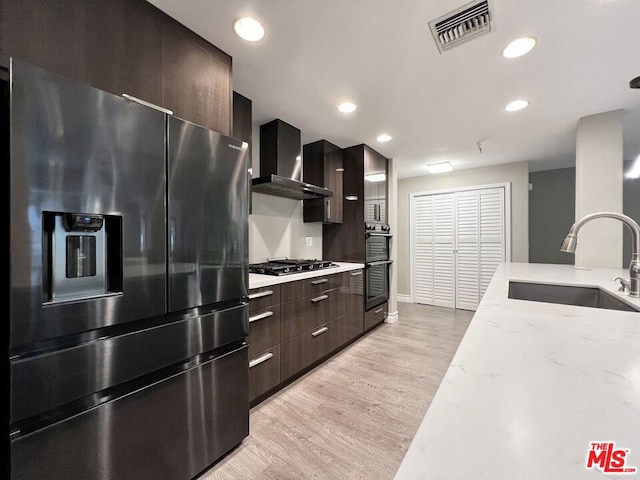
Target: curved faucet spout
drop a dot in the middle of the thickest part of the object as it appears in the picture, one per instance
(571, 240)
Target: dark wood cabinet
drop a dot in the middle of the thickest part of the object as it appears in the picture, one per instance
(264, 372)
(123, 46)
(375, 187)
(264, 340)
(307, 313)
(322, 165)
(364, 200)
(313, 317)
(243, 130)
(375, 316)
(354, 301)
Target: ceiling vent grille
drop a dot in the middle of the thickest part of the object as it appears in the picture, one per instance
(461, 25)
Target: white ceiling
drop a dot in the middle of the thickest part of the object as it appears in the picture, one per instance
(381, 55)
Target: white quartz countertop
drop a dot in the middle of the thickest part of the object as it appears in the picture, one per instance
(257, 280)
(532, 385)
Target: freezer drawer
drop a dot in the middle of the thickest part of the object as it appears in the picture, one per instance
(173, 429)
(53, 379)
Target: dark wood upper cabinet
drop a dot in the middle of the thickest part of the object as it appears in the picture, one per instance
(242, 129)
(322, 165)
(346, 242)
(375, 187)
(123, 46)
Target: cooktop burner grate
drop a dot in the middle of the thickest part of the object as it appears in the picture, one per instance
(283, 266)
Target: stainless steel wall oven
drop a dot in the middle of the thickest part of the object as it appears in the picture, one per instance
(377, 263)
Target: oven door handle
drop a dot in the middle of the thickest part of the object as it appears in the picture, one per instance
(374, 234)
(377, 264)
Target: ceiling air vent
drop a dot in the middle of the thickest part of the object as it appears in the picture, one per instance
(461, 25)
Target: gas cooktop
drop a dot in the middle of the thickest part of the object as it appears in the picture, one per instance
(286, 265)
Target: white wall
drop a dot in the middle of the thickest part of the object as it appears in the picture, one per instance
(276, 230)
(515, 173)
(599, 177)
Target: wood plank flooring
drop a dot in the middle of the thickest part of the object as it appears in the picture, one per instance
(354, 416)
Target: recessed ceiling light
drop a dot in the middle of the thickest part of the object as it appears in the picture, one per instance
(347, 107)
(384, 137)
(440, 167)
(519, 47)
(516, 105)
(249, 29)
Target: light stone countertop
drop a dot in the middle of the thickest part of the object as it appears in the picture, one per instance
(257, 280)
(532, 385)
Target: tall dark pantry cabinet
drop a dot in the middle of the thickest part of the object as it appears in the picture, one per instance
(363, 236)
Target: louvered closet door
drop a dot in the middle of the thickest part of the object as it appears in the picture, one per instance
(459, 241)
(468, 250)
(434, 256)
(492, 234)
(423, 249)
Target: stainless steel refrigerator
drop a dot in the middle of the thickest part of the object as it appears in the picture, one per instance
(128, 286)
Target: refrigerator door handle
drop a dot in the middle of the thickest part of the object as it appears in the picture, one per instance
(147, 104)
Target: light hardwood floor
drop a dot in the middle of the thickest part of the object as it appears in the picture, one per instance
(354, 416)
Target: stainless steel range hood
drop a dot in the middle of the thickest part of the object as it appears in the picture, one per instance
(281, 164)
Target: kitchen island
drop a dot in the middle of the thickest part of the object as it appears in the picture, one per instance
(533, 385)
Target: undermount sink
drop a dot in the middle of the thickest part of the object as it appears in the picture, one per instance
(567, 295)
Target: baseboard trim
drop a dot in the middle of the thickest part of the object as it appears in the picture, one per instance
(391, 317)
(403, 298)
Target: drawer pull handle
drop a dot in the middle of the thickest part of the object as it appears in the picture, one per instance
(260, 359)
(356, 274)
(319, 332)
(266, 293)
(318, 282)
(378, 310)
(260, 316)
(320, 298)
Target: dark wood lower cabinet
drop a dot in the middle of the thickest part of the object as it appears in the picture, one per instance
(314, 319)
(301, 351)
(264, 329)
(375, 316)
(264, 372)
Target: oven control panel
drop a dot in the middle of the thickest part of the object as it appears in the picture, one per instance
(377, 227)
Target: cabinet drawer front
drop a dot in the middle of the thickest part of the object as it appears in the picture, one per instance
(301, 351)
(346, 329)
(291, 291)
(261, 298)
(375, 316)
(264, 371)
(306, 313)
(264, 329)
(314, 286)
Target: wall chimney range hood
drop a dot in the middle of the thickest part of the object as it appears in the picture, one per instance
(281, 164)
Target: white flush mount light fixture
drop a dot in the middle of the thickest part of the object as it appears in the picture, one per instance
(440, 167)
(634, 172)
(516, 105)
(519, 47)
(375, 177)
(384, 137)
(347, 107)
(249, 29)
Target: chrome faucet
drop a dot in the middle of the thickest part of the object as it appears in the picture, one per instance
(571, 240)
